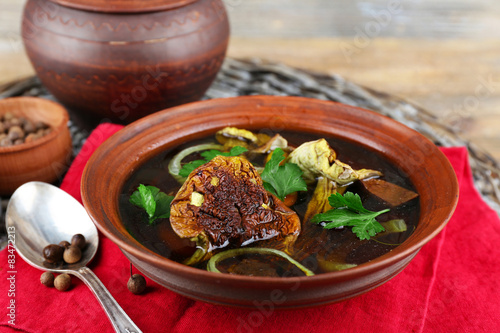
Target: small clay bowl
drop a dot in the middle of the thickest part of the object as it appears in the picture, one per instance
(115, 161)
(43, 159)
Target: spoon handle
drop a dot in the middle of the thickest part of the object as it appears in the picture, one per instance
(120, 320)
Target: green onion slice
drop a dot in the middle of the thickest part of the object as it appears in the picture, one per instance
(212, 263)
(175, 166)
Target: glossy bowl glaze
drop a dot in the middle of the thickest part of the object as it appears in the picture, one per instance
(114, 162)
(44, 159)
(123, 59)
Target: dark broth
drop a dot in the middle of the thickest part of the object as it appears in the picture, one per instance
(316, 246)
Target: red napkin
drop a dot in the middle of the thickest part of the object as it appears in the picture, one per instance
(450, 286)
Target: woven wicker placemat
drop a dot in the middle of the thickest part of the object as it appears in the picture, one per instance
(259, 77)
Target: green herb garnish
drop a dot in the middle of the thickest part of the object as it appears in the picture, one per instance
(153, 201)
(281, 180)
(208, 155)
(348, 211)
(212, 263)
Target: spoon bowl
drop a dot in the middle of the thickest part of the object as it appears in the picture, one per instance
(42, 214)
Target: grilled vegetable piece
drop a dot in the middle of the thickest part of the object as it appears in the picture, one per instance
(317, 158)
(224, 203)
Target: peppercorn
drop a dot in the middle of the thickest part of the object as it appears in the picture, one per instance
(72, 254)
(62, 282)
(64, 244)
(5, 142)
(7, 124)
(47, 279)
(8, 116)
(40, 132)
(53, 253)
(136, 284)
(39, 125)
(78, 240)
(29, 127)
(16, 121)
(16, 132)
(29, 138)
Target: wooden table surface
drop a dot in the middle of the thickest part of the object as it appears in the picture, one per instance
(444, 56)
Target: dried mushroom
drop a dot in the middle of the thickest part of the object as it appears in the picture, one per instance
(223, 202)
(232, 136)
(317, 158)
(393, 194)
(276, 141)
(319, 201)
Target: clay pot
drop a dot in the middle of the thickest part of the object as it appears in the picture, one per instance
(120, 156)
(123, 59)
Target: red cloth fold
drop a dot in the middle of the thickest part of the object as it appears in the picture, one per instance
(450, 286)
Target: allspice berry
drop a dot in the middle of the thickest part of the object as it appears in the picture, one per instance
(5, 142)
(62, 282)
(72, 254)
(29, 127)
(39, 125)
(15, 132)
(18, 130)
(64, 244)
(78, 240)
(16, 121)
(136, 284)
(53, 253)
(47, 279)
(30, 138)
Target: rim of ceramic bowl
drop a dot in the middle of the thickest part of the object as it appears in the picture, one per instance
(123, 6)
(56, 130)
(147, 127)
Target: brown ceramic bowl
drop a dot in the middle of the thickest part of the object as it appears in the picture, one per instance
(44, 159)
(114, 162)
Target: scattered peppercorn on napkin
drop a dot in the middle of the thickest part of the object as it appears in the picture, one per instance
(450, 286)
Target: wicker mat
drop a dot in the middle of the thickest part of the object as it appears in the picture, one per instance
(259, 77)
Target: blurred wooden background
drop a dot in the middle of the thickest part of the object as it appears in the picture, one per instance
(443, 55)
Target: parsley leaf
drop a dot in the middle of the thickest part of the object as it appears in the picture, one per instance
(348, 211)
(235, 151)
(281, 180)
(208, 155)
(189, 167)
(153, 201)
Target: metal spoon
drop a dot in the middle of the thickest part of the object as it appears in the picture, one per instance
(41, 214)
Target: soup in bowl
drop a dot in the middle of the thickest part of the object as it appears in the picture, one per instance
(260, 195)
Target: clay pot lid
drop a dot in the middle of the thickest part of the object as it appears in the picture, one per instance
(123, 6)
